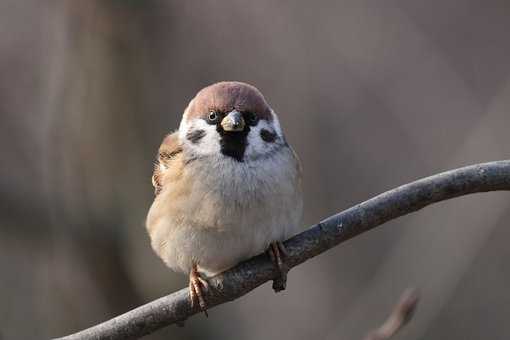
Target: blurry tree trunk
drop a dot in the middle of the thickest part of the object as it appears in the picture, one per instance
(94, 108)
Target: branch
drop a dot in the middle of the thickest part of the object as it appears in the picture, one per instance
(248, 275)
(399, 317)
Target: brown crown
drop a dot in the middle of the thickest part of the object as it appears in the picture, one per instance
(226, 96)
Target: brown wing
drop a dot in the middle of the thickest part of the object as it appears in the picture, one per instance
(170, 147)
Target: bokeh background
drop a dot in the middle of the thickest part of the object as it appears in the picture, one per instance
(372, 94)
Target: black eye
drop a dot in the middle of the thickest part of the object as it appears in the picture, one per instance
(212, 117)
(251, 118)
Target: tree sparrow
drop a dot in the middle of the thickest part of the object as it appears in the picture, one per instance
(228, 186)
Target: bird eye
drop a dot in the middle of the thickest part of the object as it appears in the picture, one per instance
(212, 117)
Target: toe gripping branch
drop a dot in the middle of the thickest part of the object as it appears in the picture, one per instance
(197, 286)
(278, 253)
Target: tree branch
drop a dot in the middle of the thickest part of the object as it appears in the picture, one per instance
(401, 314)
(330, 232)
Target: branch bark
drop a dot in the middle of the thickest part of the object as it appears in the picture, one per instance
(248, 275)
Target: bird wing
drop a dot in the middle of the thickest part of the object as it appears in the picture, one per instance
(169, 149)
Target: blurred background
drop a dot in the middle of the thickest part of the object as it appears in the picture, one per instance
(371, 95)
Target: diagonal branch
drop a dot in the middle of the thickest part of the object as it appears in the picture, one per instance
(336, 229)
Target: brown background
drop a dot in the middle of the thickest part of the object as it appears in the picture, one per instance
(372, 94)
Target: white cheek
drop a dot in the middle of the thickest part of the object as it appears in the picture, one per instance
(256, 145)
(209, 144)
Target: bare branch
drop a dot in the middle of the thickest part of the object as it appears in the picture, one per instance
(330, 232)
(402, 312)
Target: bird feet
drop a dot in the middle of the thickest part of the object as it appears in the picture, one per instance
(197, 286)
(277, 253)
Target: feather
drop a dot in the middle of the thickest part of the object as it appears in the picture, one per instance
(169, 149)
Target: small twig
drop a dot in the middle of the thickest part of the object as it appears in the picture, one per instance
(402, 312)
(332, 231)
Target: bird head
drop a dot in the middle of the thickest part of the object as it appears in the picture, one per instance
(230, 119)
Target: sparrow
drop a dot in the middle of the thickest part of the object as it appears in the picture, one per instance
(227, 187)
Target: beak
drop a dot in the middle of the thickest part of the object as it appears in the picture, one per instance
(234, 121)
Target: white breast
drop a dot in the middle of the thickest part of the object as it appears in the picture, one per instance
(232, 212)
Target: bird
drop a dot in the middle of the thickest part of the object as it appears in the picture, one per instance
(227, 185)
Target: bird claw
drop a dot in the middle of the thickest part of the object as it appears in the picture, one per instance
(197, 286)
(277, 252)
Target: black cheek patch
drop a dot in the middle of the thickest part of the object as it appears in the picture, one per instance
(195, 136)
(267, 136)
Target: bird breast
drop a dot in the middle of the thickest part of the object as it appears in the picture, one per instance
(220, 211)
